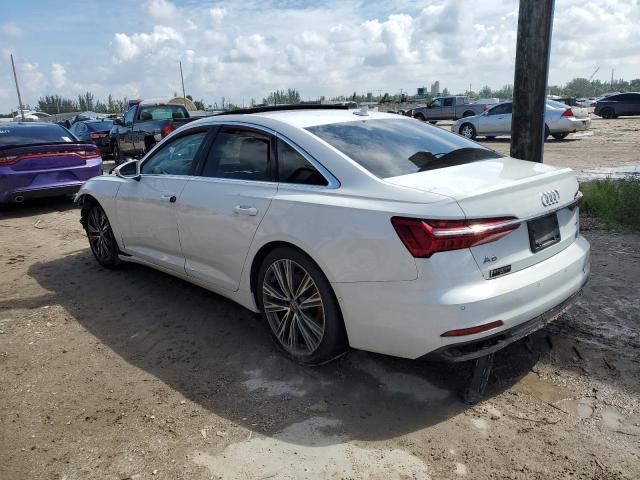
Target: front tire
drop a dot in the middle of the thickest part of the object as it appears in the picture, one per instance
(101, 239)
(608, 113)
(299, 305)
(468, 131)
(419, 116)
(117, 156)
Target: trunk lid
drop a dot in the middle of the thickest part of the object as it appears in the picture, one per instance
(47, 157)
(506, 187)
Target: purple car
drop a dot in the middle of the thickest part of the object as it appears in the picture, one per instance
(43, 160)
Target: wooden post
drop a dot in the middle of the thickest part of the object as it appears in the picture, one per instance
(535, 22)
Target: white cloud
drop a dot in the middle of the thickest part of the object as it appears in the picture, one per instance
(217, 14)
(129, 47)
(162, 10)
(11, 30)
(58, 75)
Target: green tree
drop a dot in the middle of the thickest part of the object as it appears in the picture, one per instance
(57, 104)
(86, 101)
(485, 92)
(288, 97)
(578, 87)
(199, 104)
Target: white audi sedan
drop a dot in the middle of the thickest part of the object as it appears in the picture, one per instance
(350, 228)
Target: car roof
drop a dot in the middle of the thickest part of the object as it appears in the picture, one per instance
(304, 118)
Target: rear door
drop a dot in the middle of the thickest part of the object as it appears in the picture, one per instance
(221, 207)
(448, 108)
(146, 208)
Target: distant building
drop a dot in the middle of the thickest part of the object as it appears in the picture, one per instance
(422, 91)
(435, 88)
(369, 97)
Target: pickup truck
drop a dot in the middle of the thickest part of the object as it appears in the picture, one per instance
(448, 108)
(142, 126)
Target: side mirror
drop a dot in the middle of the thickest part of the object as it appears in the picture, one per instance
(118, 121)
(129, 170)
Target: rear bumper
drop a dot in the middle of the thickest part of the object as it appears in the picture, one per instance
(407, 319)
(43, 183)
(570, 125)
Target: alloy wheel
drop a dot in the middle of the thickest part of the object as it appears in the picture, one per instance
(293, 306)
(100, 236)
(466, 131)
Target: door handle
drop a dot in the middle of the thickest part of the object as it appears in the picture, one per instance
(244, 210)
(168, 197)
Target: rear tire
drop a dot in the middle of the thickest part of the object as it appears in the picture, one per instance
(546, 132)
(559, 136)
(608, 113)
(300, 308)
(467, 131)
(101, 239)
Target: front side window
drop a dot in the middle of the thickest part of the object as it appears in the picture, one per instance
(393, 147)
(436, 103)
(293, 167)
(175, 158)
(239, 153)
(500, 109)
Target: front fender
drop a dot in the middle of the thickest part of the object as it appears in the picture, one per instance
(102, 190)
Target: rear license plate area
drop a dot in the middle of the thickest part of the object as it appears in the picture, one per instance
(543, 232)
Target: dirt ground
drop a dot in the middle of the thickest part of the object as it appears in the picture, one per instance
(135, 374)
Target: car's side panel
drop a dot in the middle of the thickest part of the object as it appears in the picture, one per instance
(217, 219)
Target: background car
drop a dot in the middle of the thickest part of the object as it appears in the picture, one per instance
(623, 104)
(43, 160)
(94, 131)
(560, 120)
(348, 227)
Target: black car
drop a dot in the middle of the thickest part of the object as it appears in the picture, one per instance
(94, 131)
(618, 105)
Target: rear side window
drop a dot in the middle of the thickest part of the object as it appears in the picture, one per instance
(393, 147)
(33, 134)
(175, 158)
(239, 153)
(293, 167)
(448, 102)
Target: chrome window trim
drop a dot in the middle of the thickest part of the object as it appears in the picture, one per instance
(332, 181)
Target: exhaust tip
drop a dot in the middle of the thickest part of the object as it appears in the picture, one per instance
(18, 199)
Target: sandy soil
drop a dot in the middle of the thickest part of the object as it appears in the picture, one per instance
(134, 374)
(608, 143)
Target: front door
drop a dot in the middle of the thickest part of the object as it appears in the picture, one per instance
(222, 207)
(146, 208)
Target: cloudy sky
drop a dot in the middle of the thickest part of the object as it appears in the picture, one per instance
(245, 49)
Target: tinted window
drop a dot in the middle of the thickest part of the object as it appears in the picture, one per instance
(239, 153)
(175, 158)
(128, 117)
(294, 168)
(33, 134)
(164, 112)
(501, 109)
(392, 147)
(448, 102)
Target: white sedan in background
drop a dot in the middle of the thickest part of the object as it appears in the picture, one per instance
(560, 121)
(350, 228)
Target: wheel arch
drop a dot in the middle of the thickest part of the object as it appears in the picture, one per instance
(85, 201)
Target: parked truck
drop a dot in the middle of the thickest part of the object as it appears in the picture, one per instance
(142, 126)
(448, 108)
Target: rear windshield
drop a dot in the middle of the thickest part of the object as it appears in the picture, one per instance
(25, 134)
(393, 147)
(100, 126)
(164, 112)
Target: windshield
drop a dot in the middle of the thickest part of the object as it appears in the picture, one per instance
(393, 147)
(33, 134)
(101, 126)
(164, 112)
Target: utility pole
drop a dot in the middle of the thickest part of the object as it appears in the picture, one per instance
(182, 79)
(611, 79)
(15, 77)
(535, 22)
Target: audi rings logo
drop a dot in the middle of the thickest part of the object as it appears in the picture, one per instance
(549, 198)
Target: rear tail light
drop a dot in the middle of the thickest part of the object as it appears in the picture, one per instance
(85, 153)
(408, 113)
(97, 136)
(472, 330)
(423, 238)
(167, 129)
(577, 200)
(567, 113)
